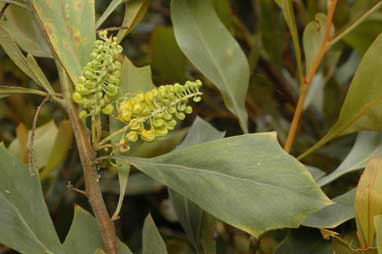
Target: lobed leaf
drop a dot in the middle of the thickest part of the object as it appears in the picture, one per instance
(244, 171)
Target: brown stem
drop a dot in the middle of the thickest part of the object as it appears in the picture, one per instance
(33, 132)
(87, 154)
(309, 77)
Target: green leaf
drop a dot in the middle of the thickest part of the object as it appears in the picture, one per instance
(378, 232)
(287, 8)
(27, 64)
(152, 240)
(342, 247)
(25, 224)
(367, 145)
(70, 28)
(168, 62)
(26, 31)
(134, 12)
(335, 214)
(191, 216)
(42, 146)
(251, 173)
(212, 49)
(60, 149)
(9, 90)
(362, 107)
(135, 79)
(312, 39)
(123, 176)
(84, 236)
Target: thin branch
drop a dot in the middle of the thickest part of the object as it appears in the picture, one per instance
(87, 155)
(32, 136)
(309, 77)
(338, 37)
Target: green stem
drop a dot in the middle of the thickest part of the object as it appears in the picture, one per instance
(341, 35)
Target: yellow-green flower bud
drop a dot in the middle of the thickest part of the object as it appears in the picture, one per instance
(148, 135)
(132, 136)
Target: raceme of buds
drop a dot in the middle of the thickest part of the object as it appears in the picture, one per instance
(98, 85)
(152, 114)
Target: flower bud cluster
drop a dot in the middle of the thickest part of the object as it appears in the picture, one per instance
(98, 85)
(152, 114)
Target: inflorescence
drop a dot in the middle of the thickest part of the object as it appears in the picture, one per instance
(146, 115)
(152, 114)
(98, 85)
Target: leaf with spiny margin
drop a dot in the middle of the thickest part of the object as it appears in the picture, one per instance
(367, 145)
(84, 236)
(70, 28)
(152, 240)
(362, 109)
(206, 42)
(134, 12)
(333, 215)
(25, 224)
(26, 30)
(192, 218)
(244, 171)
(27, 64)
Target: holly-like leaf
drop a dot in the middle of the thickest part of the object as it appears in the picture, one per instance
(262, 187)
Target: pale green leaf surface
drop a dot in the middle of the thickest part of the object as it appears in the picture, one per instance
(26, 31)
(84, 236)
(284, 188)
(191, 216)
(70, 28)
(335, 214)
(152, 240)
(135, 79)
(211, 48)
(367, 145)
(19, 215)
(13, 51)
(363, 103)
